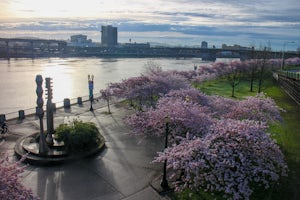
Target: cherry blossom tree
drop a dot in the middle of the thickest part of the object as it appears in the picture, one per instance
(134, 89)
(151, 67)
(251, 67)
(146, 89)
(190, 95)
(183, 116)
(259, 108)
(234, 159)
(106, 95)
(219, 144)
(292, 61)
(180, 107)
(10, 185)
(234, 74)
(220, 106)
(263, 67)
(275, 64)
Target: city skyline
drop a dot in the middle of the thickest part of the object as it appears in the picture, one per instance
(181, 22)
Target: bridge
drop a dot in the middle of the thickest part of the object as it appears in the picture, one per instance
(33, 47)
(179, 52)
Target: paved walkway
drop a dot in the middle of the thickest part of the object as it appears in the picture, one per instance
(123, 170)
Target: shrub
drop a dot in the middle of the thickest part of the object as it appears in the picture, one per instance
(78, 136)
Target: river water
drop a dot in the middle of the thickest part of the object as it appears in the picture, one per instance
(17, 76)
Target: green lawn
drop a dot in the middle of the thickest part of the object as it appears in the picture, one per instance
(287, 133)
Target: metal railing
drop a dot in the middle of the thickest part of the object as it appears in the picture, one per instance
(32, 111)
(290, 74)
(290, 85)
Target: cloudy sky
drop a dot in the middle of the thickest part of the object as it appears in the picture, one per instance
(174, 22)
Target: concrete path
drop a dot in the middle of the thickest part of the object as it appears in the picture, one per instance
(123, 170)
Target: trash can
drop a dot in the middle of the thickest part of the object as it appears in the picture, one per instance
(2, 118)
(67, 103)
(79, 100)
(21, 114)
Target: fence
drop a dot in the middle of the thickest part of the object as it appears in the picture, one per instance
(290, 82)
(290, 74)
(32, 111)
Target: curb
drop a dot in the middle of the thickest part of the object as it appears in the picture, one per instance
(42, 161)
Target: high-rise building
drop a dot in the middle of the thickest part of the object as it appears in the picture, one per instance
(109, 36)
(204, 45)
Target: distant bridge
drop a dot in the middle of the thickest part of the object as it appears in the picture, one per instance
(32, 48)
(21, 47)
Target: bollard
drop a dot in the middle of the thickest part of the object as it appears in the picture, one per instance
(54, 106)
(79, 100)
(21, 114)
(67, 103)
(2, 118)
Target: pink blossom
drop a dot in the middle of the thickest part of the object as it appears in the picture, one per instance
(233, 157)
(10, 185)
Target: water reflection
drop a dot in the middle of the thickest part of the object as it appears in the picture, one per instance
(17, 77)
(62, 82)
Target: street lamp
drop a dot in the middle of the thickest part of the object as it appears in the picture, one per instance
(164, 183)
(283, 49)
(91, 88)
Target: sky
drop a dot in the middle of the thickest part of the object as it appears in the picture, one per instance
(274, 23)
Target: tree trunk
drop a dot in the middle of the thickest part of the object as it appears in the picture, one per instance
(251, 85)
(232, 91)
(108, 106)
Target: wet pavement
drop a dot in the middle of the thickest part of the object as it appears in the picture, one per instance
(123, 170)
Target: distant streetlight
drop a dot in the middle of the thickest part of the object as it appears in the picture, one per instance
(91, 88)
(283, 49)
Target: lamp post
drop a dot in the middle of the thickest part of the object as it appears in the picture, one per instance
(283, 49)
(91, 88)
(49, 112)
(164, 183)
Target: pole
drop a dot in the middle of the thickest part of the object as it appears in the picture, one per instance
(49, 112)
(91, 100)
(164, 183)
(91, 87)
(283, 49)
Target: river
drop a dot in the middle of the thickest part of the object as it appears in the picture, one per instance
(17, 76)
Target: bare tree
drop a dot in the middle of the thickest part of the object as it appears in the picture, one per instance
(263, 66)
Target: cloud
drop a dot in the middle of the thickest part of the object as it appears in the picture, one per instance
(180, 21)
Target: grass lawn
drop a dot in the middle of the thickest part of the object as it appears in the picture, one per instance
(287, 133)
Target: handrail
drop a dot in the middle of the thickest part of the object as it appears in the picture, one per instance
(290, 74)
(59, 104)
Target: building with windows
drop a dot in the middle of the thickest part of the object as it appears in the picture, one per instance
(109, 36)
(234, 47)
(79, 38)
(204, 45)
(80, 41)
